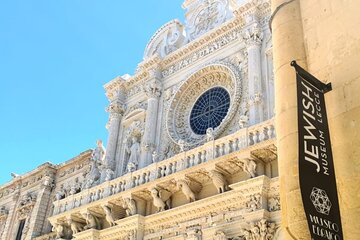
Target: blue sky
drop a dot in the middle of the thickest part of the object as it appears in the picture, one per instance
(55, 57)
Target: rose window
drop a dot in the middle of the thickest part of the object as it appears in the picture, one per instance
(209, 110)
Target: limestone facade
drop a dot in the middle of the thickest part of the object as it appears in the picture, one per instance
(156, 178)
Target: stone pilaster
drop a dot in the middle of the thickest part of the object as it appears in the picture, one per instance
(40, 209)
(116, 110)
(253, 38)
(153, 89)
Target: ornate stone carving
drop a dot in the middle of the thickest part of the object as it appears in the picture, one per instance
(3, 216)
(161, 199)
(261, 230)
(92, 222)
(75, 187)
(116, 108)
(59, 229)
(133, 152)
(249, 166)
(210, 134)
(254, 35)
(61, 193)
(75, 227)
(153, 88)
(220, 235)
(129, 205)
(167, 39)
(274, 203)
(205, 15)
(183, 185)
(92, 177)
(254, 202)
(214, 75)
(27, 199)
(219, 181)
(108, 215)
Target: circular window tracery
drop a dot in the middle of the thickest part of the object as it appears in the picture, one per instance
(190, 115)
(209, 110)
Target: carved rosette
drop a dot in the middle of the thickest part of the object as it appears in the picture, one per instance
(220, 74)
(153, 88)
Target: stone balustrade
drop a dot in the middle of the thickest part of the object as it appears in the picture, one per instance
(232, 143)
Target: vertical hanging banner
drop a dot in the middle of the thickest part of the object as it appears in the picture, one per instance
(316, 167)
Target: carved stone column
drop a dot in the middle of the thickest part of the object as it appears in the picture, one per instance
(116, 110)
(153, 89)
(253, 38)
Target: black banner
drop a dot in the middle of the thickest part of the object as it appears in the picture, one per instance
(316, 167)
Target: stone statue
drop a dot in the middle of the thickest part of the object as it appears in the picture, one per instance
(243, 121)
(155, 156)
(218, 180)
(75, 227)
(184, 186)
(59, 230)
(91, 221)
(109, 174)
(75, 188)
(130, 206)
(209, 134)
(161, 199)
(98, 154)
(249, 167)
(181, 144)
(108, 215)
(134, 152)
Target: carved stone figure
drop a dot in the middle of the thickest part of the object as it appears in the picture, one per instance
(261, 230)
(130, 206)
(219, 235)
(3, 211)
(274, 203)
(75, 227)
(161, 199)
(181, 144)
(249, 167)
(254, 203)
(184, 186)
(218, 180)
(243, 121)
(92, 178)
(76, 187)
(27, 199)
(155, 157)
(59, 230)
(91, 221)
(109, 174)
(253, 35)
(134, 152)
(98, 154)
(209, 134)
(108, 215)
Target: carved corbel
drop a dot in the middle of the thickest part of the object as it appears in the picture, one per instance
(92, 220)
(108, 210)
(130, 205)
(218, 180)
(76, 225)
(161, 199)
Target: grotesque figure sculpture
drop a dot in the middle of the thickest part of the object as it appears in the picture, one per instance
(161, 199)
(108, 215)
(130, 206)
(184, 186)
(218, 180)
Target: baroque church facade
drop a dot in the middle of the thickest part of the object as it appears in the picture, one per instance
(191, 150)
